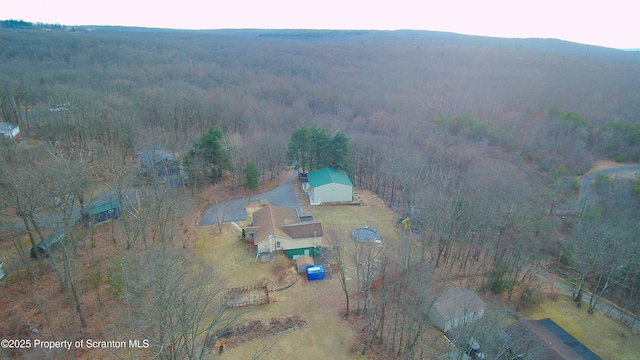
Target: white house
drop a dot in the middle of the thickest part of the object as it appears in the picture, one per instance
(329, 185)
(278, 228)
(456, 307)
(10, 130)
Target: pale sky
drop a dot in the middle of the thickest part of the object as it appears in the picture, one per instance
(614, 23)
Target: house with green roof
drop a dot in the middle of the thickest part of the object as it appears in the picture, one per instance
(97, 214)
(328, 185)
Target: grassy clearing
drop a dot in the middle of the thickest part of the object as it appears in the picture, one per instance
(227, 254)
(603, 335)
(374, 213)
(319, 303)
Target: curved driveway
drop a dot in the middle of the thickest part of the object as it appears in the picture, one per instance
(233, 210)
(585, 182)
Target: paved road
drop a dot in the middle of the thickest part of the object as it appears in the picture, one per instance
(585, 182)
(281, 195)
(54, 217)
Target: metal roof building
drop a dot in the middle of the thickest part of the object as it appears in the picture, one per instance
(329, 185)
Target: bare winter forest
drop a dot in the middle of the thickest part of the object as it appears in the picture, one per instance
(480, 141)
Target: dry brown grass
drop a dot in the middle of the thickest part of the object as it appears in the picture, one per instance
(319, 303)
(373, 213)
(600, 333)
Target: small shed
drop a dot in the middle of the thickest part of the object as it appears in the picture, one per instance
(456, 307)
(315, 273)
(302, 262)
(329, 185)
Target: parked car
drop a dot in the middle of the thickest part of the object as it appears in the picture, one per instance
(53, 242)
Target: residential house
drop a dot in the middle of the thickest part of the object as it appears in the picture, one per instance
(278, 228)
(10, 130)
(158, 163)
(100, 213)
(543, 339)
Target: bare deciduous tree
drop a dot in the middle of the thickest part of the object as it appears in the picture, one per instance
(338, 254)
(177, 304)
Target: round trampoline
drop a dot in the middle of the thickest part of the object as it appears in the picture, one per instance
(365, 234)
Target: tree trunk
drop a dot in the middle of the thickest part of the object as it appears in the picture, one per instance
(31, 238)
(370, 315)
(54, 263)
(578, 298)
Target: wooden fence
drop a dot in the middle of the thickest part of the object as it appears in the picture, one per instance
(246, 288)
(262, 301)
(228, 299)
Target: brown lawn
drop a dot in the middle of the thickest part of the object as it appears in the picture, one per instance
(603, 335)
(320, 303)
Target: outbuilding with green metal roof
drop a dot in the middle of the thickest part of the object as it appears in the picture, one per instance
(100, 213)
(329, 185)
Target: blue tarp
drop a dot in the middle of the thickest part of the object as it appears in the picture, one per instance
(315, 273)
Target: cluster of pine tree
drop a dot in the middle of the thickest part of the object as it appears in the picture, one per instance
(312, 148)
(209, 156)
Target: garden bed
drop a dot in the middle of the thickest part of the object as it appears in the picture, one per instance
(247, 295)
(236, 334)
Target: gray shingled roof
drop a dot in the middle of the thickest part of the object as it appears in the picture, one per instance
(458, 302)
(148, 158)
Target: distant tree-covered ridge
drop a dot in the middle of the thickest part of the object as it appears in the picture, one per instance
(21, 24)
